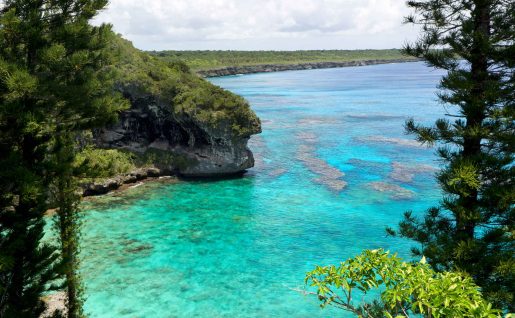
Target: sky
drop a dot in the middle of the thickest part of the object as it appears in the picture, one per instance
(260, 24)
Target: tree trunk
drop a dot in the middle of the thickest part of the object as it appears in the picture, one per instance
(476, 113)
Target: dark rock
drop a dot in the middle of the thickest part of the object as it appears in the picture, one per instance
(103, 187)
(192, 148)
(153, 173)
(138, 175)
(130, 179)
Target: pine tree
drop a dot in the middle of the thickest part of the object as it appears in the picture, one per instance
(54, 83)
(473, 227)
(28, 265)
(68, 222)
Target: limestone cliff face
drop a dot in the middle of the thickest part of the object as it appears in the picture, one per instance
(177, 121)
(196, 148)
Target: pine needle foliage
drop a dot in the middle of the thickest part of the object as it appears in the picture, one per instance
(472, 230)
(54, 84)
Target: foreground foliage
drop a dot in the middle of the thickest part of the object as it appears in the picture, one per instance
(53, 86)
(406, 289)
(473, 227)
(98, 163)
(58, 78)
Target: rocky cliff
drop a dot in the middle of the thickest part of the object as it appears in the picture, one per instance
(183, 123)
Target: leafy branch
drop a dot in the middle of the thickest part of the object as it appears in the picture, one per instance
(405, 289)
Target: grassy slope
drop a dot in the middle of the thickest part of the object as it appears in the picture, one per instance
(205, 60)
(172, 82)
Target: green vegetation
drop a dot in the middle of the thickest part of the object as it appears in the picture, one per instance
(206, 60)
(188, 95)
(406, 289)
(473, 228)
(58, 78)
(53, 86)
(98, 163)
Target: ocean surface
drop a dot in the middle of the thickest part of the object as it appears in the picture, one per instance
(333, 169)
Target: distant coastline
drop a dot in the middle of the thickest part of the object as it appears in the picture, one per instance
(267, 68)
(223, 63)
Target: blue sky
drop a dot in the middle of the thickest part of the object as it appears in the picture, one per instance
(260, 24)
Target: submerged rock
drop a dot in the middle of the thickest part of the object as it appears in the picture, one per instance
(327, 175)
(263, 165)
(406, 173)
(311, 122)
(396, 192)
(139, 248)
(277, 172)
(395, 141)
(332, 183)
(374, 116)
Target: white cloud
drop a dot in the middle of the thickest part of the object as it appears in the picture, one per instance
(259, 24)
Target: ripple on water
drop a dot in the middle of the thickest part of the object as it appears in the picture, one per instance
(374, 116)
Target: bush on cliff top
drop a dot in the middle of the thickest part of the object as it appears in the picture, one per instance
(103, 163)
(187, 94)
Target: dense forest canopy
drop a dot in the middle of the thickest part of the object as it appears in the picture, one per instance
(205, 60)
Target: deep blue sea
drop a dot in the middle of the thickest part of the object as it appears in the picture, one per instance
(333, 169)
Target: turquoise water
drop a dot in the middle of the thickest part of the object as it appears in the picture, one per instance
(333, 169)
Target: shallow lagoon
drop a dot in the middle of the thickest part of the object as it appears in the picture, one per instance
(333, 169)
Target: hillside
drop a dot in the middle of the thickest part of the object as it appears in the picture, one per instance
(172, 82)
(208, 60)
(177, 122)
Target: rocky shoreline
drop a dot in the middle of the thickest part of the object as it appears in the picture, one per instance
(140, 175)
(267, 68)
(95, 188)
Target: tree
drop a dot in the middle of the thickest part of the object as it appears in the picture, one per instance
(406, 289)
(28, 266)
(55, 83)
(66, 199)
(473, 228)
